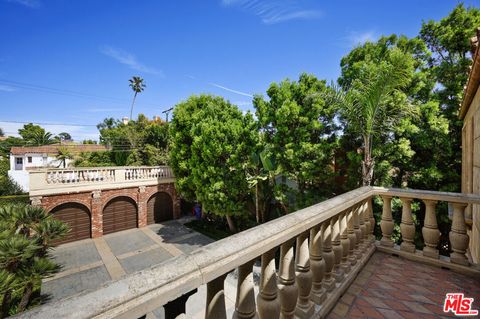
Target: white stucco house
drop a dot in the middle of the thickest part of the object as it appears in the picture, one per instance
(25, 158)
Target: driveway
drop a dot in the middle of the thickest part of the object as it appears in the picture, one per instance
(89, 264)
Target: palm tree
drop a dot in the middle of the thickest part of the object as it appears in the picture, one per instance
(64, 155)
(41, 138)
(373, 105)
(138, 85)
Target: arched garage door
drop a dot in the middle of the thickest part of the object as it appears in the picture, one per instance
(77, 217)
(159, 208)
(119, 214)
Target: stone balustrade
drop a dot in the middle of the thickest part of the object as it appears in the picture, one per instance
(57, 181)
(319, 249)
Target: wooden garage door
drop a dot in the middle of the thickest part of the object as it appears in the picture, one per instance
(119, 214)
(77, 217)
(159, 208)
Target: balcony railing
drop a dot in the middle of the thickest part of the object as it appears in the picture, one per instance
(321, 250)
(51, 181)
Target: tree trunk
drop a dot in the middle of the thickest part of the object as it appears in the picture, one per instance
(27, 293)
(133, 102)
(257, 209)
(231, 224)
(367, 163)
(7, 296)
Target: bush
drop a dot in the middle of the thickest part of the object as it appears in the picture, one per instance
(26, 237)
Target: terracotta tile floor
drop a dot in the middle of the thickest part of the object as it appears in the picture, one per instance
(392, 287)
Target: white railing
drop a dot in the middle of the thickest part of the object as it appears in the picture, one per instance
(333, 240)
(52, 181)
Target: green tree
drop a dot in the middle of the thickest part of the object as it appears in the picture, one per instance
(138, 85)
(449, 42)
(299, 131)
(1, 132)
(210, 142)
(374, 103)
(64, 137)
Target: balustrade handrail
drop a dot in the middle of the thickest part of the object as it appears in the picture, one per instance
(57, 169)
(141, 292)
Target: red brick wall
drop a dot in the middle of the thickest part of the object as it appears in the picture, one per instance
(96, 200)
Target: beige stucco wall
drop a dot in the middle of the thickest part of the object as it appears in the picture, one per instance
(471, 170)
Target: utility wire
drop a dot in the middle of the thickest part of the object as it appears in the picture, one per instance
(46, 89)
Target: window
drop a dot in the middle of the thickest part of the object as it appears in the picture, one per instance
(19, 160)
(29, 159)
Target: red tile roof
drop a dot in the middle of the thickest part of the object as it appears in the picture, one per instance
(53, 149)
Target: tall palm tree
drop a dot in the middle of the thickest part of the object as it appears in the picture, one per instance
(138, 85)
(372, 106)
(41, 138)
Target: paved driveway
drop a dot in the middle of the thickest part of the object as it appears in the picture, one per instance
(90, 263)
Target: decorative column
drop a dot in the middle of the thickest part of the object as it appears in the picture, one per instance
(317, 264)
(328, 256)
(337, 248)
(245, 302)
(430, 231)
(287, 288)
(458, 235)
(345, 264)
(372, 220)
(267, 300)
(366, 220)
(352, 238)
(363, 228)
(387, 222)
(97, 214)
(407, 227)
(215, 307)
(358, 232)
(303, 277)
(142, 207)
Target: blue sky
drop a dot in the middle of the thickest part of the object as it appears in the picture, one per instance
(69, 62)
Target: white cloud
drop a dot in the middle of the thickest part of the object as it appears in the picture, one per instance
(6, 88)
(274, 11)
(358, 38)
(230, 90)
(129, 60)
(27, 3)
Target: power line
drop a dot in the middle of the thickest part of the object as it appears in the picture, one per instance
(51, 90)
(47, 123)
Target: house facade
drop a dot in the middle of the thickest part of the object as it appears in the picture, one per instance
(470, 113)
(26, 158)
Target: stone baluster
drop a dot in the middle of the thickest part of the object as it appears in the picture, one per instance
(215, 307)
(317, 264)
(245, 302)
(387, 222)
(458, 235)
(328, 256)
(337, 248)
(407, 227)
(372, 220)
(358, 232)
(366, 221)
(345, 242)
(351, 236)
(267, 300)
(363, 228)
(303, 277)
(430, 231)
(287, 288)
